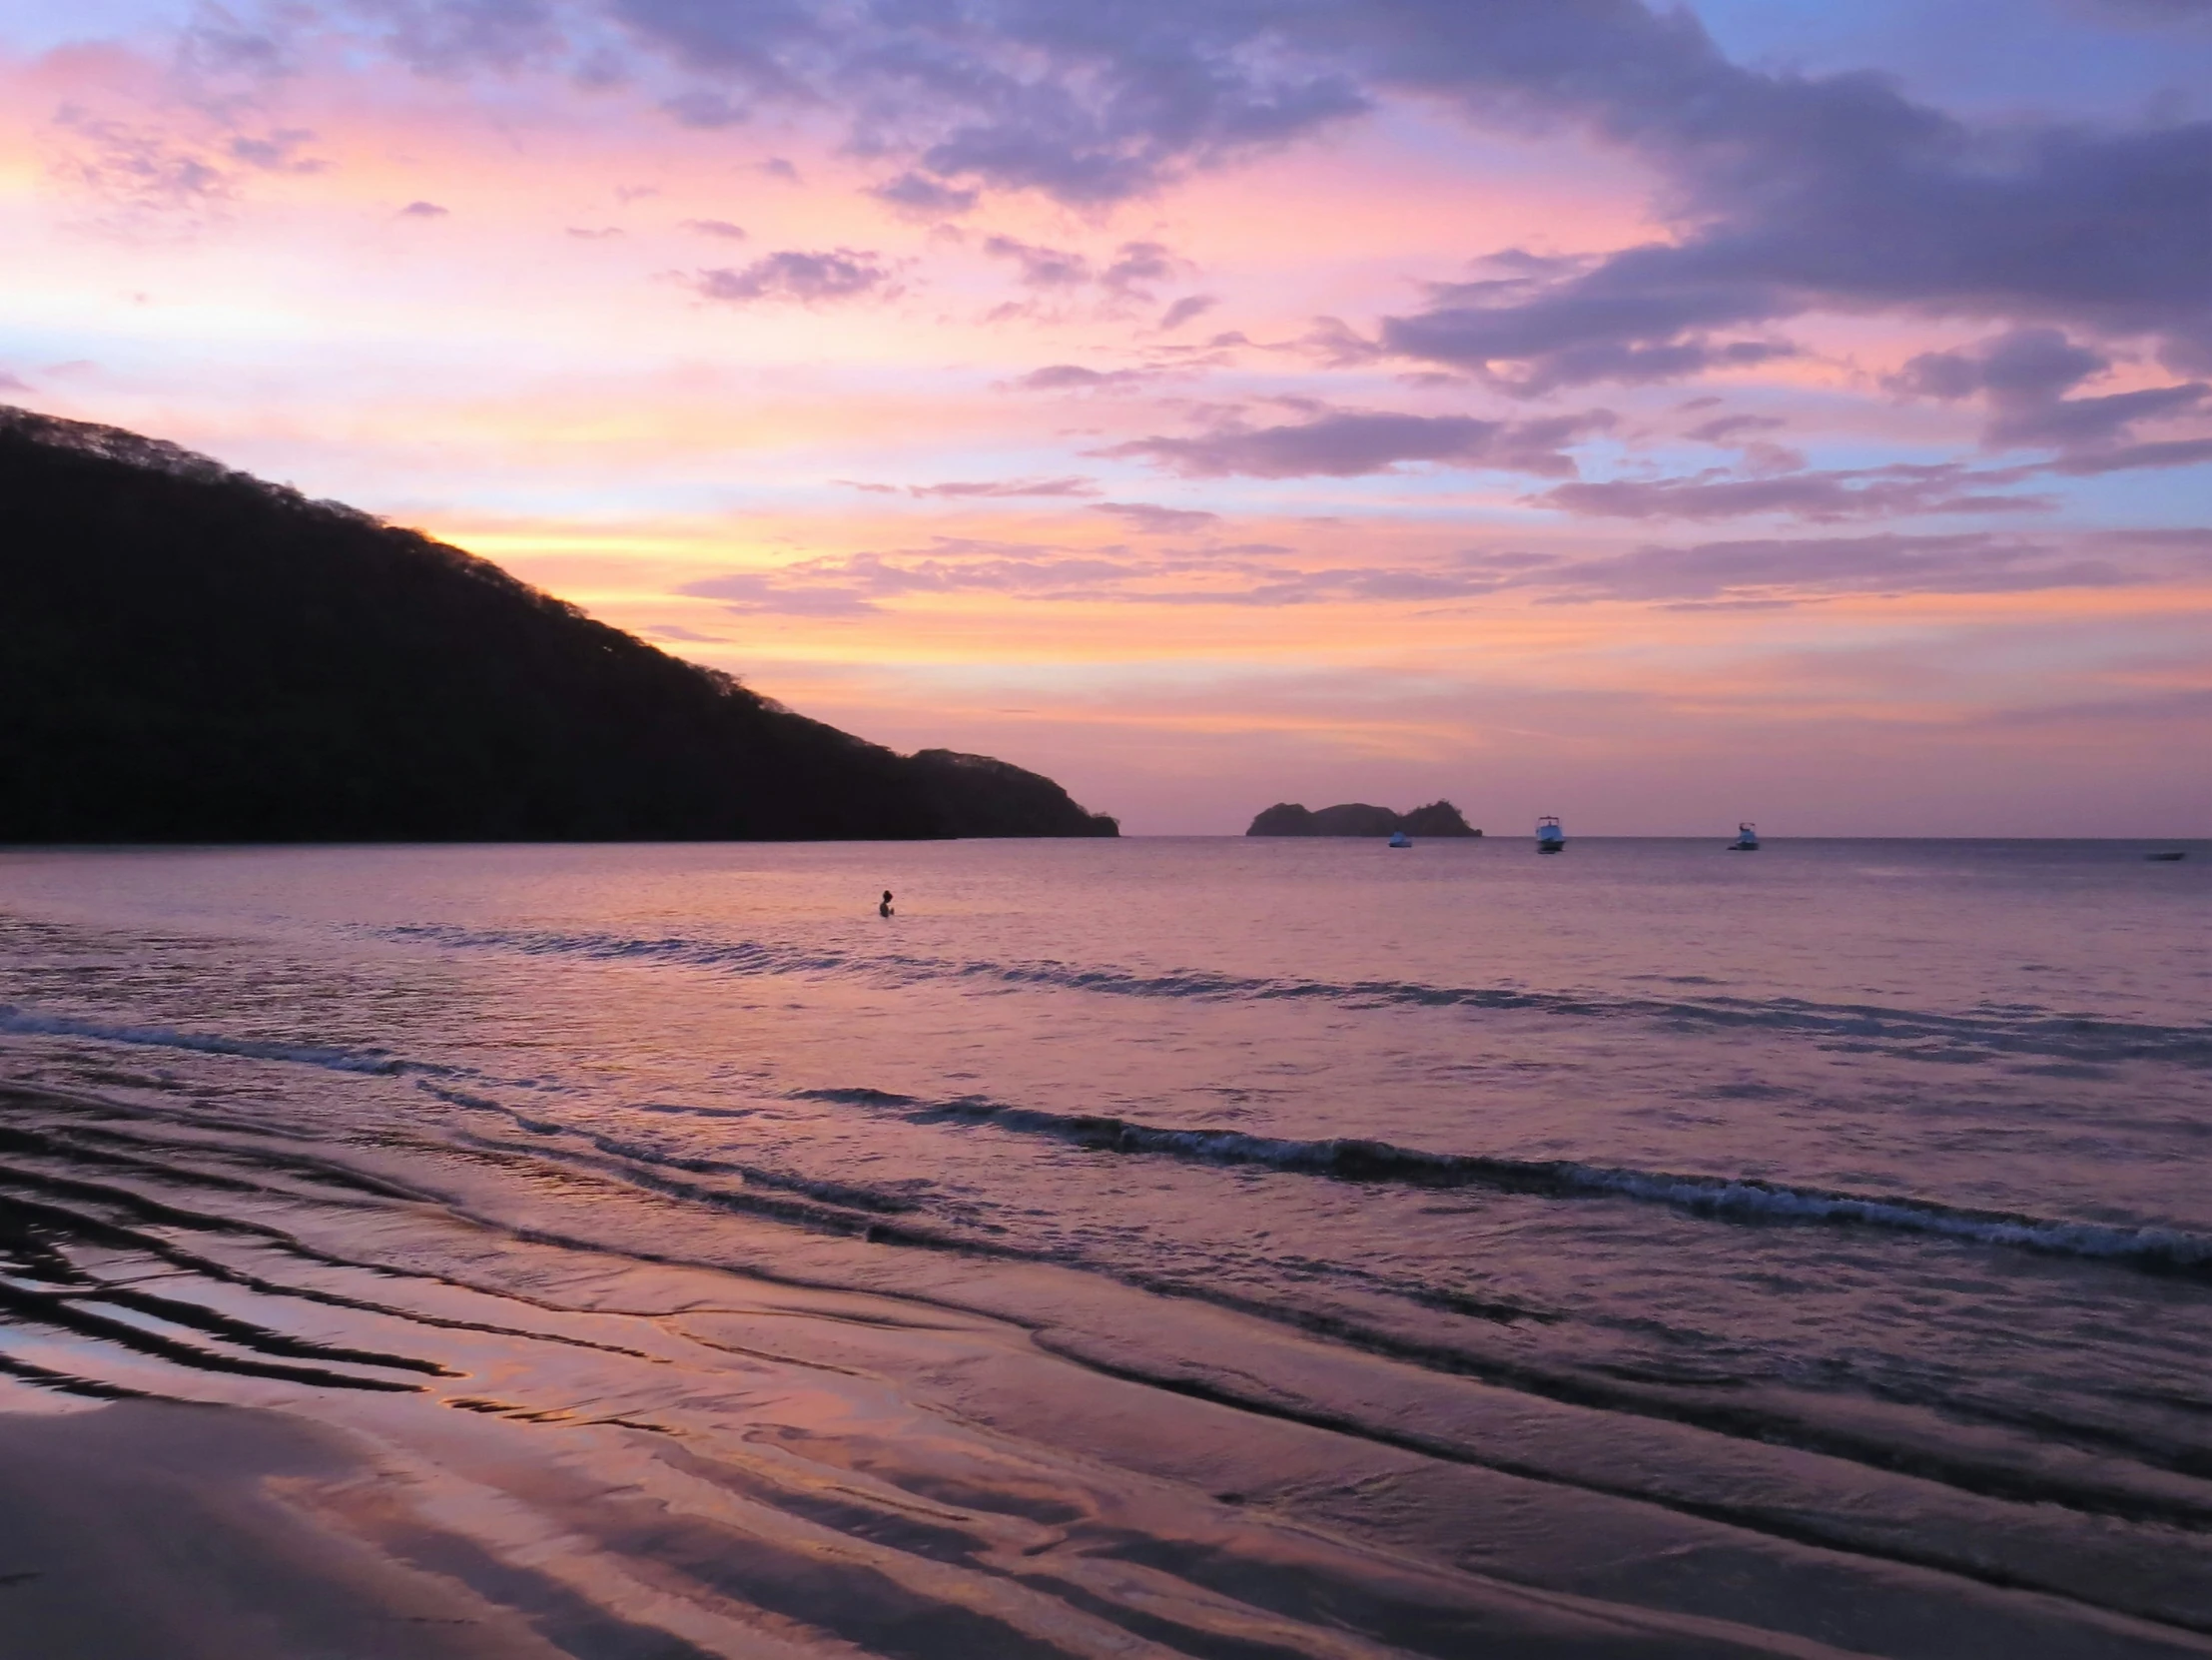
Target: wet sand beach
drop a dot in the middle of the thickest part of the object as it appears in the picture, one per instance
(403, 1423)
(577, 1454)
(149, 1528)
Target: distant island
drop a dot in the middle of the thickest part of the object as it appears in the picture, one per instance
(1356, 818)
(195, 655)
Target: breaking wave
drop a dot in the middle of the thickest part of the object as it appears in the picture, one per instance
(1728, 1199)
(34, 1024)
(2012, 1030)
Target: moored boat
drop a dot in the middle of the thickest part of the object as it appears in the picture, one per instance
(1549, 837)
(1747, 838)
(1398, 838)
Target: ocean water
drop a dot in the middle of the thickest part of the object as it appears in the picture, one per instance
(1211, 1246)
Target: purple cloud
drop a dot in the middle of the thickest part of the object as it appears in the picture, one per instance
(1822, 497)
(1762, 573)
(1040, 267)
(2024, 376)
(278, 151)
(143, 170)
(715, 228)
(853, 585)
(2127, 458)
(1009, 487)
(1723, 428)
(707, 110)
(1128, 275)
(1076, 378)
(1831, 191)
(447, 40)
(1136, 265)
(1620, 323)
(1144, 518)
(770, 593)
(1183, 310)
(807, 278)
(916, 197)
(1819, 567)
(1348, 443)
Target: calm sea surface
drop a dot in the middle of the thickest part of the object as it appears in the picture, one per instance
(1815, 1242)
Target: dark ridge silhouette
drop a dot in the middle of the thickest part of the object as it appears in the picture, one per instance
(979, 796)
(188, 654)
(1356, 818)
(1438, 818)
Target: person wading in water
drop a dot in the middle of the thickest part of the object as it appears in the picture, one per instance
(884, 909)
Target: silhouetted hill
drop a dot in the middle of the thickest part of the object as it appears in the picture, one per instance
(979, 796)
(1356, 818)
(1438, 818)
(188, 654)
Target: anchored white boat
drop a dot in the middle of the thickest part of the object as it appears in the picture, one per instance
(1549, 837)
(1747, 838)
(1398, 838)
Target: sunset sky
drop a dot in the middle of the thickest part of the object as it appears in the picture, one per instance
(1795, 410)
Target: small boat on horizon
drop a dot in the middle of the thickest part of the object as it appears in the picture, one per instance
(1747, 838)
(1549, 837)
(2170, 856)
(1398, 838)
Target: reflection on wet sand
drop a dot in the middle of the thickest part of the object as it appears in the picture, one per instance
(487, 1441)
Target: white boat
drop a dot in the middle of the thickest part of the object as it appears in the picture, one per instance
(1747, 838)
(1398, 838)
(1549, 837)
